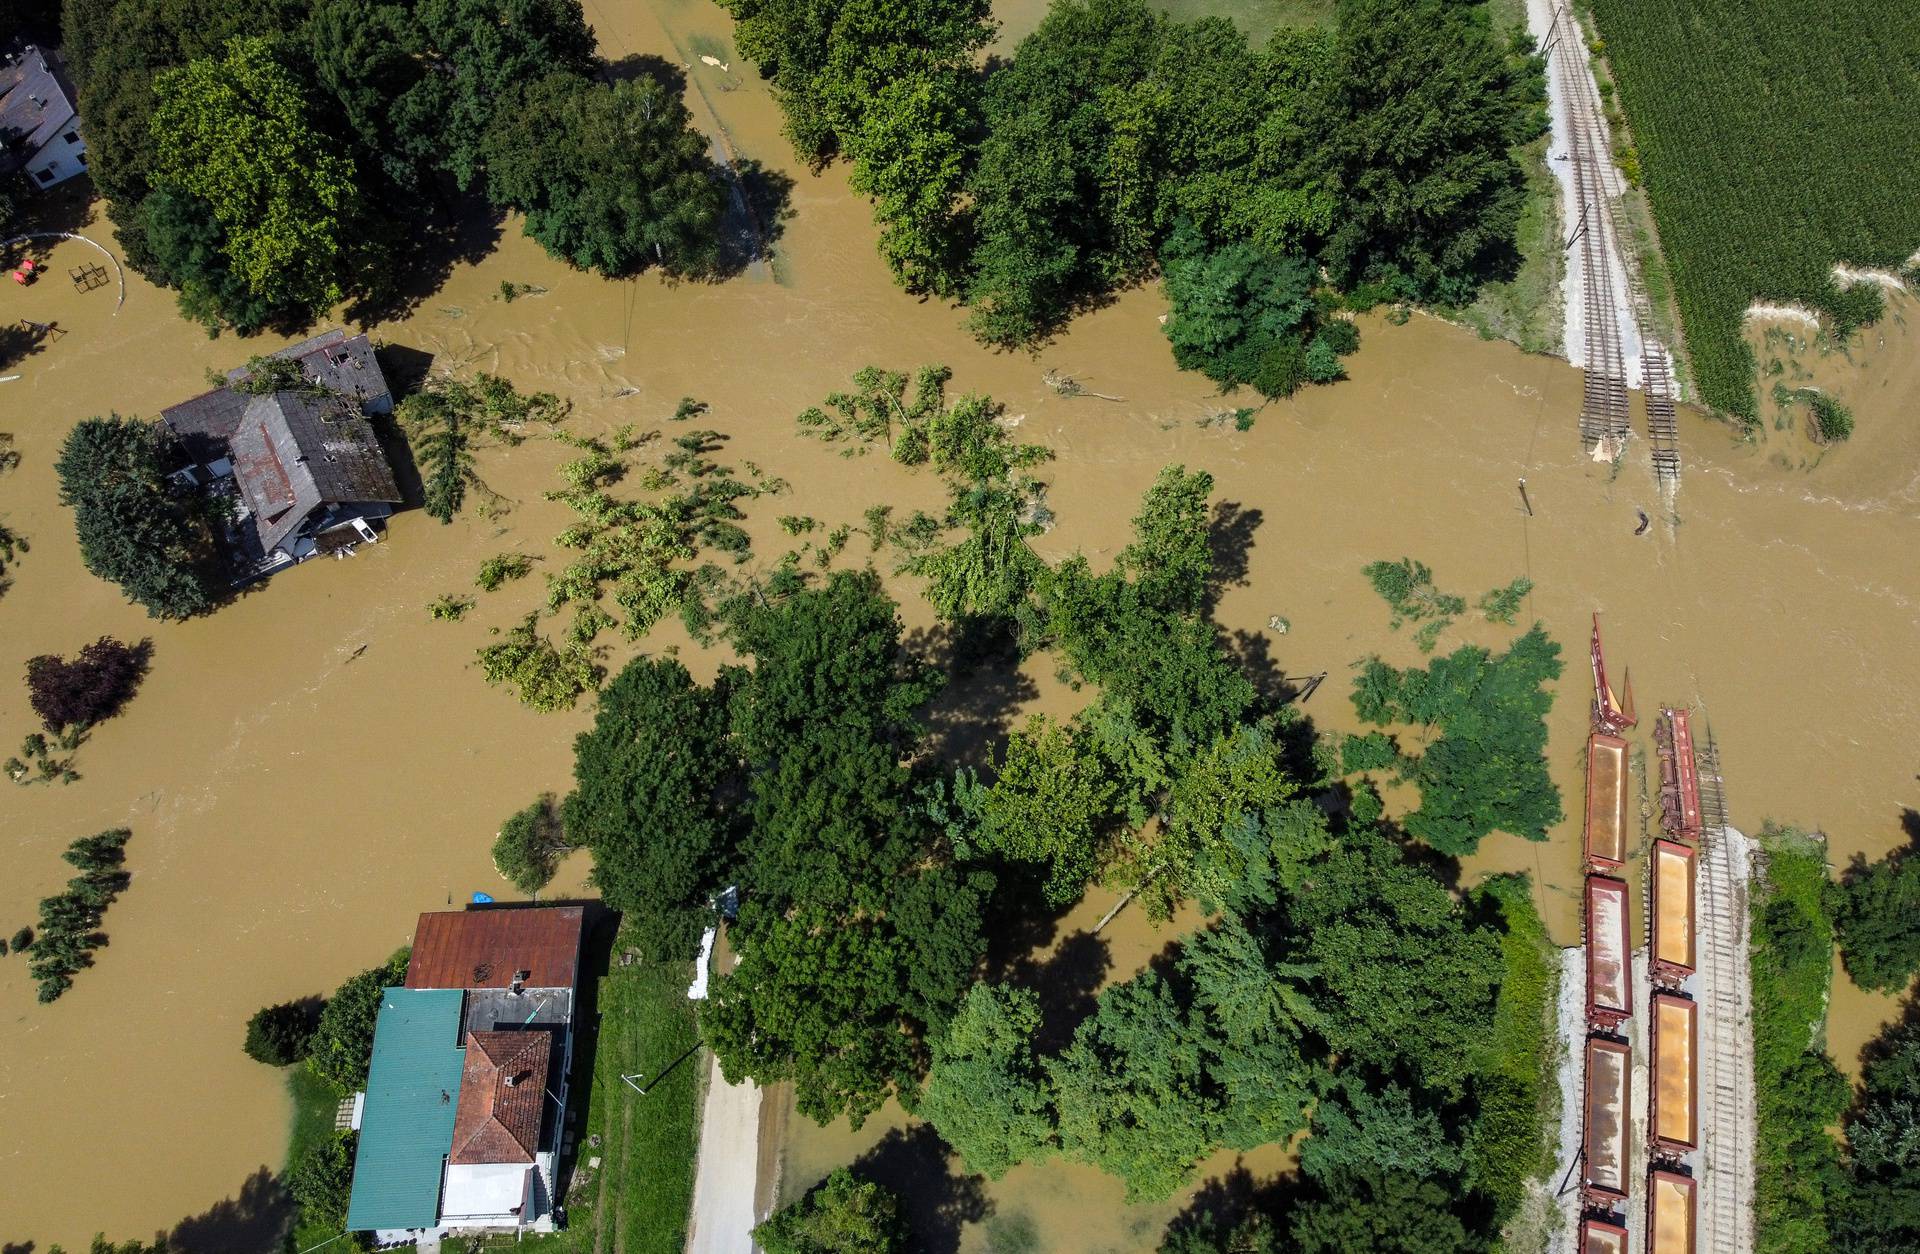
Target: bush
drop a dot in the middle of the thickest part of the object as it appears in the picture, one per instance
(94, 686)
(1797, 1176)
(530, 845)
(280, 1035)
(322, 1181)
(1832, 421)
(342, 1041)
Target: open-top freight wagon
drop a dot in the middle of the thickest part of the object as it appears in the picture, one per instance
(1609, 954)
(1674, 898)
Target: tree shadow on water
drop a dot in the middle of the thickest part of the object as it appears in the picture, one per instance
(257, 1219)
(1226, 1203)
(1066, 983)
(1229, 541)
(937, 1201)
(968, 721)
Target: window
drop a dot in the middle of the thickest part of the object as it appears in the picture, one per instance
(72, 137)
(45, 176)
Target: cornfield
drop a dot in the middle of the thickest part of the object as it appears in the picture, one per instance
(1778, 138)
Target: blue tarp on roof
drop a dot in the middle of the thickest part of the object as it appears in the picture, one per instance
(413, 1090)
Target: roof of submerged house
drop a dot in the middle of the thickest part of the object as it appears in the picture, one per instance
(502, 1096)
(407, 1130)
(35, 104)
(342, 364)
(488, 948)
(293, 451)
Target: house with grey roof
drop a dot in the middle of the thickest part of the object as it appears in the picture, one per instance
(300, 467)
(39, 126)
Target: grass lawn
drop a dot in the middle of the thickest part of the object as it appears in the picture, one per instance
(314, 1103)
(639, 1197)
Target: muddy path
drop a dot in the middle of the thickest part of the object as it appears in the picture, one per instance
(311, 766)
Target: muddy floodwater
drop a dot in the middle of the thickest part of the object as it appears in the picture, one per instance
(315, 763)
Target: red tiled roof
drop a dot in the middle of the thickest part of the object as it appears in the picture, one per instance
(502, 1091)
(485, 948)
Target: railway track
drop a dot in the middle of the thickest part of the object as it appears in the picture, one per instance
(1726, 1061)
(1604, 409)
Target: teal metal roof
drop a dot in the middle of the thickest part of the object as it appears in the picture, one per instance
(406, 1130)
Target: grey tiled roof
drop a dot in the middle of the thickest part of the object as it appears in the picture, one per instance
(293, 452)
(35, 104)
(341, 363)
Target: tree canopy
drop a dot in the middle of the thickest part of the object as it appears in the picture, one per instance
(268, 157)
(1876, 913)
(612, 179)
(1488, 770)
(841, 1215)
(237, 133)
(1117, 138)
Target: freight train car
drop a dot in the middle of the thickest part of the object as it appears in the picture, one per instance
(1609, 953)
(1676, 1079)
(1673, 912)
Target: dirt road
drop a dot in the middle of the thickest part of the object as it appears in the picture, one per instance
(723, 1185)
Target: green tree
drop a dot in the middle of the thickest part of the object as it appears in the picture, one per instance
(841, 1215)
(611, 178)
(1263, 1031)
(530, 845)
(1233, 308)
(1214, 825)
(1876, 912)
(648, 778)
(1133, 1090)
(281, 1035)
(188, 249)
(858, 937)
(1403, 980)
(829, 63)
(1415, 124)
(477, 52)
(910, 151)
(238, 132)
(1366, 1125)
(987, 1093)
(1053, 805)
(992, 571)
(1487, 771)
(1881, 1211)
(134, 530)
(342, 1041)
(1390, 1212)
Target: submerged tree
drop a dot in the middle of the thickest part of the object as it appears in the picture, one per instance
(841, 1215)
(611, 178)
(987, 1092)
(134, 529)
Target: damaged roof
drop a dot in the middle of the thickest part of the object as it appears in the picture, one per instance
(293, 452)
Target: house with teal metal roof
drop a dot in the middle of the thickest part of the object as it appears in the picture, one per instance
(406, 1132)
(464, 1119)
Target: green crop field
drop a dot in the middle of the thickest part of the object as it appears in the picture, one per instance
(1777, 138)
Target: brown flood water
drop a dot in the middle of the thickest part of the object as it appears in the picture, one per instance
(310, 767)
